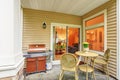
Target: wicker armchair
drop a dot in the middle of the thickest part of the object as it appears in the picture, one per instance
(104, 61)
(69, 62)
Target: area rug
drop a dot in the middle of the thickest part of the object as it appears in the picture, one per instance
(53, 74)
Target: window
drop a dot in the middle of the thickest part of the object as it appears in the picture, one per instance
(96, 38)
(96, 20)
(94, 32)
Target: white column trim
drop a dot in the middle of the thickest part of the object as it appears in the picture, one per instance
(12, 70)
(9, 67)
(118, 39)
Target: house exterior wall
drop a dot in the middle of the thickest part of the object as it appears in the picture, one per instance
(33, 20)
(33, 32)
(111, 33)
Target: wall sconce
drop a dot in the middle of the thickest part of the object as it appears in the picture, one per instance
(44, 25)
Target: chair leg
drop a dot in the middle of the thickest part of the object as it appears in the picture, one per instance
(61, 75)
(107, 72)
(93, 64)
(76, 75)
(94, 75)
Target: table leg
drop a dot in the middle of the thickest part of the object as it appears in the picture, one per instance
(87, 68)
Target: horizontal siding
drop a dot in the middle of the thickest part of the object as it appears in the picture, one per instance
(33, 33)
(111, 34)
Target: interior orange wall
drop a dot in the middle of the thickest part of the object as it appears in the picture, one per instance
(93, 37)
(95, 20)
(61, 33)
(72, 36)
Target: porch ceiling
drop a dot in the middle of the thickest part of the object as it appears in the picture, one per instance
(74, 7)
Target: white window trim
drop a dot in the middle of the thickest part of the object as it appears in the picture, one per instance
(94, 26)
(98, 25)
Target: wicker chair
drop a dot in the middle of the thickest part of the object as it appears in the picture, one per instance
(69, 62)
(104, 61)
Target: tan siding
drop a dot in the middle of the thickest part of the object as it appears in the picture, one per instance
(32, 22)
(111, 33)
(107, 5)
(111, 21)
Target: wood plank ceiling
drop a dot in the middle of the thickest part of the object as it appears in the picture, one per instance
(74, 7)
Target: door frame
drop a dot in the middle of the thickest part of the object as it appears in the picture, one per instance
(63, 25)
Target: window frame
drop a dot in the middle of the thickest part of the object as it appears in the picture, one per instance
(104, 12)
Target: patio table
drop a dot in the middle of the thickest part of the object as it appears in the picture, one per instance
(85, 67)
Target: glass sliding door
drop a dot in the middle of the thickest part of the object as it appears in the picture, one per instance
(60, 42)
(73, 39)
(66, 40)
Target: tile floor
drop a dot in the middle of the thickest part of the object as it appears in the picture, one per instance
(53, 74)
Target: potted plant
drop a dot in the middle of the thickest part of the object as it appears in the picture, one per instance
(58, 48)
(85, 46)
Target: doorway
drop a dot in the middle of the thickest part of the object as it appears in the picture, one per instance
(66, 39)
(60, 41)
